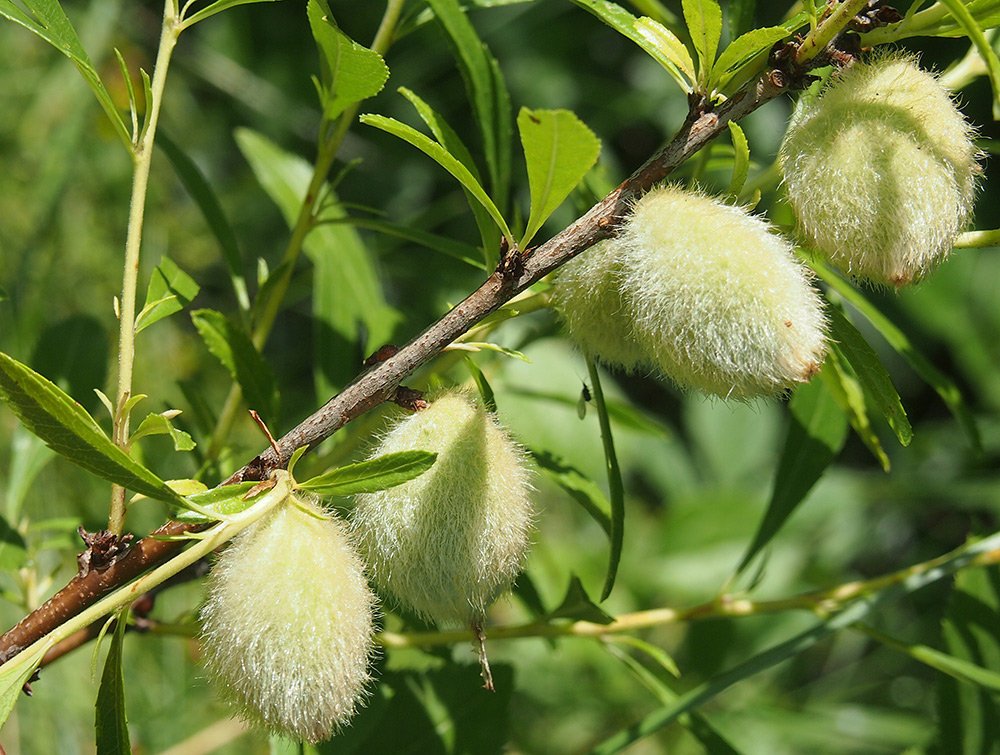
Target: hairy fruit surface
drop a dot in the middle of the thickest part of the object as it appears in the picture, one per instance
(706, 293)
(447, 543)
(881, 170)
(287, 628)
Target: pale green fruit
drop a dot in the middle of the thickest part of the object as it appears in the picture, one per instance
(881, 170)
(588, 298)
(701, 290)
(287, 628)
(447, 543)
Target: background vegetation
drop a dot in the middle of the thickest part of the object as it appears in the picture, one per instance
(698, 473)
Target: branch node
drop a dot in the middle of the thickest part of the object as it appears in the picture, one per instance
(410, 399)
(103, 549)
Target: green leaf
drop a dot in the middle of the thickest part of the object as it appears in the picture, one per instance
(351, 72)
(70, 431)
(559, 149)
(581, 488)
(208, 202)
(898, 340)
(217, 7)
(170, 289)
(873, 376)
(846, 388)
(347, 292)
(209, 505)
(369, 476)
(485, 389)
(232, 347)
(741, 159)
(743, 50)
(975, 33)
(656, 40)
(47, 19)
(160, 424)
(15, 673)
(451, 141)
(615, 486)
(704, 22)
(486, 89)
(969, 716)
(817, 433)
(957, 668)
(443, 158)
(577, 605)
(111, 724)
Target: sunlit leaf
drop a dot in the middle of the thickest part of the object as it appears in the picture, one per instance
(217, 7)
(170, 289)
(351, 72)
(47, 19)
(70, 431)
(559, 149)
(111, 723)
(372, 475)
(443, 158)
(704, 22)
(616, 487)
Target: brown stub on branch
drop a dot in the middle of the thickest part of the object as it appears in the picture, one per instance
(263, 428)
(877, 14)
(410, 399)
(381, 354)
(103, 549)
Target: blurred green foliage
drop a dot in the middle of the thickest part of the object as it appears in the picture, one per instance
(698, 473)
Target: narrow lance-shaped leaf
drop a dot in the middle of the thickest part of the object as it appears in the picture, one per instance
(941, 383)
(742, 50)
(475, 64)
(369, 476)
(704, 22)
(70, 431)
(975, 33)
(451, 141)
(657, 41)
(351, 72)
(741, 159)
(13, 676)
(485, 389)
(204, 196)
(217, 7)
(559, 149)
(160, 424)
(817, 433)
(580, 488)
(615, 486)
(443, 158)
(111, 723)
(47, 19)
(846, 389)
(170, 289)
(969, 716)
(233, 348)
(872, 374)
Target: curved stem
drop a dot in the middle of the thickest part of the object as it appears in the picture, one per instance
(142, 159)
